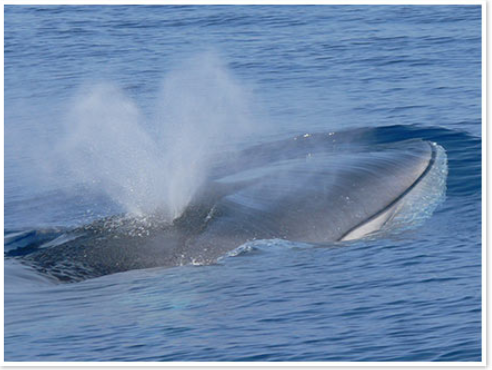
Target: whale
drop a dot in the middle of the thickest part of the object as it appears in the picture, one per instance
(322, 189)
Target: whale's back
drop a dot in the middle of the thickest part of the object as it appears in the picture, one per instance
(322, 196)
(312, 189)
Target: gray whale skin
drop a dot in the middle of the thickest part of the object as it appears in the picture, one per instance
(313, 189)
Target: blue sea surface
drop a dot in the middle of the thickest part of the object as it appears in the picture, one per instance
(395, 71)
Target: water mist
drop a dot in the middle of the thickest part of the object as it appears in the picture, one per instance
(156, 164)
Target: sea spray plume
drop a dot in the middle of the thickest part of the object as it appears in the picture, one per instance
(107, 149)
(202, 110)
(157, 166)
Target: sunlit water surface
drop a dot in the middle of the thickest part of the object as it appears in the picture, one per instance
(411, 297)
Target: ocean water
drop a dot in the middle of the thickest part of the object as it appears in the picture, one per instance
(90, 91)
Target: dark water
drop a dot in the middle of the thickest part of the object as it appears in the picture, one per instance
(394, 72)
